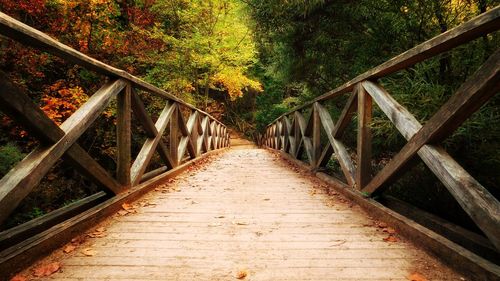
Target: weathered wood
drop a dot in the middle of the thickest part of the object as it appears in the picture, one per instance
(28, 173)
(174, 136)
(468, 98)
(144, 157)
(123, 137)
(150, 129)
(477, 201)
(17, 234)
(475, 28)
(23, 254)
(346, 115)
(186, 141)
(363, 171)
(316, 136)
(18, 106)
(483, 208)
(340, 150)
(470, 240)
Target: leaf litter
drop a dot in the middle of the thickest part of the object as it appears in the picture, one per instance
(47, 270)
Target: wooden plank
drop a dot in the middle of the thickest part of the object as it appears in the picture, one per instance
(186, 141)
(316, 136)
(28, 173)
(468, 263)
(364, 150)
(475, 28)
(346, 114)
(477, 201)
(468, 98)
(25, 34)
(123, 137)
(150, 129)
(470, 240)
(17, 234)
(149, 147)
(340, 151)
(483, 208)
(18, 106)
(21, 255)
(174, 135)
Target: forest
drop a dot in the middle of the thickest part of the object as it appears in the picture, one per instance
(246, 62)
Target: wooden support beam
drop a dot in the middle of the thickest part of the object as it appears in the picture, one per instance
(150, 129)
(483, 208)
(174, 135)
(316, 136)
(18, 106)
(340, 151)
(185, 142)
(346, 115)
(305, 131)
(26, 174)
(363, 171)
(149, 147)
(469, 97)
(123, 136)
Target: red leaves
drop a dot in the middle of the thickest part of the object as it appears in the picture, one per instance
(19, 278)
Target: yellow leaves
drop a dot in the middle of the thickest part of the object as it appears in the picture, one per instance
(235, 82)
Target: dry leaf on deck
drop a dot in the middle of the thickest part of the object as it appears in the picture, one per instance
(391, 239)
(126, 206)
(89, 252)
(416, 277)
(47, 270)
(68, 249)
(241, 274)
(19, 278)
(122, 212)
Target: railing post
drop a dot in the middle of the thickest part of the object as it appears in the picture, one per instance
(123, 136)
(174, 136)
(316, 136)
(363, 172)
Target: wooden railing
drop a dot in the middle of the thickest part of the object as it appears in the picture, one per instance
(294, 134)
(198, 134)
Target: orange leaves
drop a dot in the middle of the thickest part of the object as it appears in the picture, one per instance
(89, 252)
(416, 277)
(242, 274)
(69, 248)
(47, 270)
(59, 102)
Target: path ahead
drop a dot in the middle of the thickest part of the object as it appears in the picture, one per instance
(244, 213)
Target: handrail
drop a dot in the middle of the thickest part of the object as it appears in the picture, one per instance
(479, 26)
(199, 134)
(293, 134)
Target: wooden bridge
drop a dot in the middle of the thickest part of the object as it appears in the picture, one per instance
(211, 212)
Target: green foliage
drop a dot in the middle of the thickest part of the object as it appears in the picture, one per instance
(10, 154)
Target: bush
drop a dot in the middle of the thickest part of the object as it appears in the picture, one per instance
(10, 154)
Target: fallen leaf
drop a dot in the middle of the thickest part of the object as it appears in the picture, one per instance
(389, 230)
(267, 199)
(240, 223)
(19, 278)
(126, 206)
(194, 202)
(122, 212)
(47, 270)
(100, 229)
(220, 217)
(78, 240)
(68, 249)
(382, 225)
(416, 277)
(391, 239)
(89, 252)
(241, 274)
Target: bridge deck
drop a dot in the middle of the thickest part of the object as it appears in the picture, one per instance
(244, 213)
